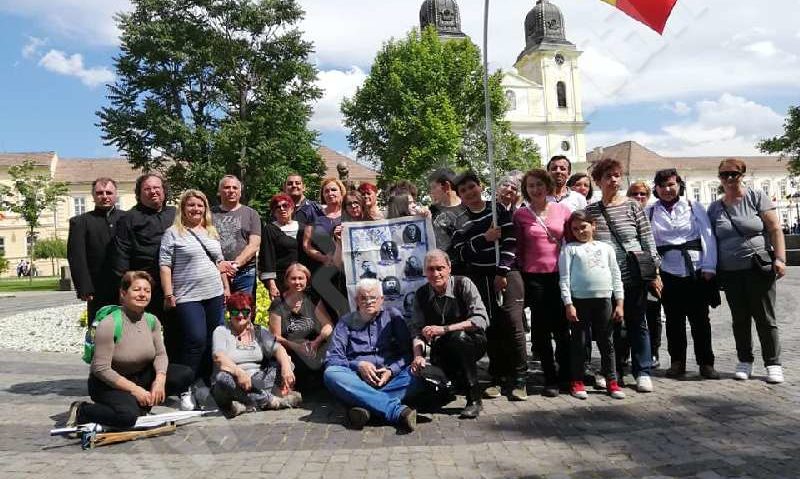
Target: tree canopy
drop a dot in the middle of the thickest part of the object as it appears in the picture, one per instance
(787, 144)
(422, 107)
(211, 87)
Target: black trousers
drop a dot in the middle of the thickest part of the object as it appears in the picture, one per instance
(683, 299)
(751, 297)
(457, 353)
(594, 321)
(548, 324)
(119, 409)
(654, 325)
(515, 355)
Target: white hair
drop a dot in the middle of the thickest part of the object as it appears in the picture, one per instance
(230, 177)
(369, 284)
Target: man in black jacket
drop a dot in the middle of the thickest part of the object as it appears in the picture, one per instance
(137, 242)
(89, 245)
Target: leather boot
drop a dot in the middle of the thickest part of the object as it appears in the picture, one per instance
(474, 403)
(676, 369)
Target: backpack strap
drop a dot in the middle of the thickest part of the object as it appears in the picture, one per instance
(117, 315)
(151, 320)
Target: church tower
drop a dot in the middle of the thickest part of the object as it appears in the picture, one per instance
(442, 14)
(545, 91)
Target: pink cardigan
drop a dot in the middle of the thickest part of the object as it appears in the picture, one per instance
(536, 253)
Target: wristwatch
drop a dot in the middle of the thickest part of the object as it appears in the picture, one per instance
(446, 328)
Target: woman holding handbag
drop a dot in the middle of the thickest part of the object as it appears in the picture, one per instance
(689, 263)
(621, 223)
(752, 256)
(193, 285)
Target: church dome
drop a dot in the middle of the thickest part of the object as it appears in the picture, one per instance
(443, 15)
(545, 24)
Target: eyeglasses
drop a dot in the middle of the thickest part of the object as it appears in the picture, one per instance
(237, 312)
(729, 175)
(283, 206)
(367, 299)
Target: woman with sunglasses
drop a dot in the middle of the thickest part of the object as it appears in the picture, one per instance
(301, 327)
(752, 256)
(627, 229)
(640, 192)
(247, 363)
(688, 252)
(279, 244)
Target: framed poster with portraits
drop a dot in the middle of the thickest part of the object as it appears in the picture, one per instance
(391, 251)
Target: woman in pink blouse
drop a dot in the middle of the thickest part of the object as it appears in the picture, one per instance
(539, 228)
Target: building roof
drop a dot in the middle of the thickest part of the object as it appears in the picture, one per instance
(638, 160)
(39, 158)
(358, 172)
(83, 170)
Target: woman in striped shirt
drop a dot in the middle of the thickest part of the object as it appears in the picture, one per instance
(631, 226)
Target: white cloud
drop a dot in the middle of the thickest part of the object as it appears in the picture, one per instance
(31, 49)
(765, 49)
(58, 62)
(679, 108)
(729, 125)
(336, 85)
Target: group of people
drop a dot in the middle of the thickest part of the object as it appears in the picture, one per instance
(590, 271)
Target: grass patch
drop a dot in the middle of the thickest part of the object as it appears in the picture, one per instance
(13, 285)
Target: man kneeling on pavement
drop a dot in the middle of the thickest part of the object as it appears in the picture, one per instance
(367, 364)
(453, 320)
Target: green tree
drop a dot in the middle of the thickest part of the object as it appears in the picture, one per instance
(787, 144)
(209, 87)
(52, 249)
(422, 107)
(29, 195)
(3, 263)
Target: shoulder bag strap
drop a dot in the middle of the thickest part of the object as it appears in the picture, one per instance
(543, 225)
(610, 225)
(208, 253)
(736, 228)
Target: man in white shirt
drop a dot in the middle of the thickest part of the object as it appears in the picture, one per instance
(560, 169)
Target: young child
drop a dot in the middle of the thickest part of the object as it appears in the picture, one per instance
(589, 279)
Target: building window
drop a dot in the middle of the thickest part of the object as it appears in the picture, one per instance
(713, 190)
(765, 186)
(696, 192)
(79, 203)
(783, 188)
(565, 146)
(561, 92)
(511, 98)
(2, 246)
(29, 242)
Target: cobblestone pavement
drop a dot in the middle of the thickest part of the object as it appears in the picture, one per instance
(20, 302)
(687, 428)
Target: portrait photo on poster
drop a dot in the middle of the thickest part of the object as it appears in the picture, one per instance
(391, 251)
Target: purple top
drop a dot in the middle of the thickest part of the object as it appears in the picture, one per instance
(384, 341)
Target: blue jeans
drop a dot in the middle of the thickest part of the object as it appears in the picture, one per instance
(198, 320)
(347, 386)
(245, 280)
(637, 336)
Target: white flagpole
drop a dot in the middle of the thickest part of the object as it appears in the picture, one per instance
(489, 132)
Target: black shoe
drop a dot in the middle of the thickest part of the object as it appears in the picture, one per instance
(472, 410)
(550, 390)
(408, 419)
(358, 417)
(708, 372)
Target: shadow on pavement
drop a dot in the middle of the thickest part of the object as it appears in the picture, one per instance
(61, 387)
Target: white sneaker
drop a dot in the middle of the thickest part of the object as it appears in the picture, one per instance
(599, 382)
(743, 371)
(774, 374)
(644, 384)
(187, 401)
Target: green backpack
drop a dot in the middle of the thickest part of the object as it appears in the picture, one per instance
(115, 312)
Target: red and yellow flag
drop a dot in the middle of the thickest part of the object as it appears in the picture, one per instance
(653, 13)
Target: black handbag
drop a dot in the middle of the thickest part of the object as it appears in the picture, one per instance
(641, 264)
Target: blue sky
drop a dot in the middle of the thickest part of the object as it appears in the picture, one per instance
(721, 77)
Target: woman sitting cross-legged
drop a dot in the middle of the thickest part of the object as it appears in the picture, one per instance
(301, 327)
(130, 373)
(245, 370)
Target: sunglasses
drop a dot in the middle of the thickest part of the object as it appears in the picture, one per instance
(353, 204)
(283, 206)
(639, 193)
(240, 312)
(729, 175)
